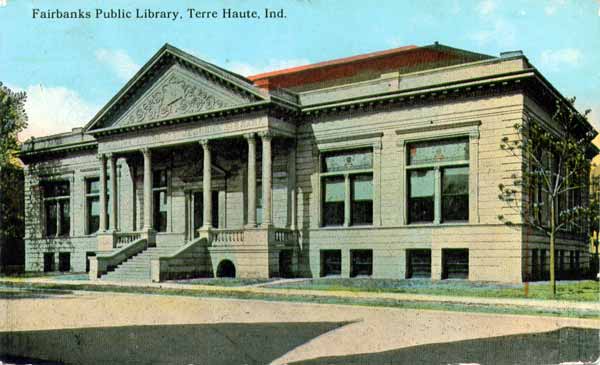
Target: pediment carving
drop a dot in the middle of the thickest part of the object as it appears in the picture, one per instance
(179, 93)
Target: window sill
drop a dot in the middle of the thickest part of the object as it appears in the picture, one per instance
(444, 224)
(363, 226)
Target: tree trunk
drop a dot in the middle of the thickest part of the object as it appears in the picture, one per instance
(552, 245)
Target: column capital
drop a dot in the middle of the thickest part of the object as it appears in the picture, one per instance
(146, 151)
(266, 135)
(205, 143)
(101, 156)
(251, 137)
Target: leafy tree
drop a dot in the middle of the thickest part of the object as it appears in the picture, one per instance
(550, 192)
(12, 121)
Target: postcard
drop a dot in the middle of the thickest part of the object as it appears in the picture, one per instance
(299, 182)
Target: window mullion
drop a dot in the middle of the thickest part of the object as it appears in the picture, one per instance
(437, 198)
(58, 225)
(347, 200)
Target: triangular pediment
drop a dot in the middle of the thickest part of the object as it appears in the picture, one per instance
(172, 85)
(177, 93)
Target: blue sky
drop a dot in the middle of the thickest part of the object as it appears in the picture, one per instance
(71, 68)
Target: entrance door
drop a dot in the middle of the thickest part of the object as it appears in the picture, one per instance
(197, 216)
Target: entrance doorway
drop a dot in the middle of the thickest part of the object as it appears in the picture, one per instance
(198, 210)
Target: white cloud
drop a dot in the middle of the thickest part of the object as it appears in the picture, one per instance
(554, 60)
(553, 6)
(119, 61)
(273, 65)
(52, 110)
(502, 33)
(486, 7)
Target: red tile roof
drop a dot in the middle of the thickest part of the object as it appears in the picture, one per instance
(379, 62)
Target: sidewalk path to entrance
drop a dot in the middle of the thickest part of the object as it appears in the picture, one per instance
(284, 332)
(548, 305)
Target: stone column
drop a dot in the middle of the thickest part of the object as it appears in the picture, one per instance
(147, 189)
(102, 159)
(292, 186)
(206, 186)
(437, 211)
(266, 138)
(347, 200)
(113, 191)
(251, 179)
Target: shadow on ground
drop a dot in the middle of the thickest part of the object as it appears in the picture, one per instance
(215, 344)
(564, 345)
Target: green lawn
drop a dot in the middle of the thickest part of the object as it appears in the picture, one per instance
(572, 290)
(227, 282)
(59, 288)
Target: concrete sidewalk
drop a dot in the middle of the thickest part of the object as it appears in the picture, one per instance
(548, 305)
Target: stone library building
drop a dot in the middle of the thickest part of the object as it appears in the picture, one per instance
(381, 165)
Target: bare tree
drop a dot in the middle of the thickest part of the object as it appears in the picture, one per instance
(551, 193)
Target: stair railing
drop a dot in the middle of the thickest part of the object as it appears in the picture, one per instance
(186, 260)
(104, 262)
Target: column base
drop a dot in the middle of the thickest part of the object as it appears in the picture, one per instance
(204, 232)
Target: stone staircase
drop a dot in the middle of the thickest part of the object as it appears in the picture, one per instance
(137, 267)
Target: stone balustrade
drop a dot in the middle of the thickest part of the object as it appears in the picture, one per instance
(284, 235)
(222, 237)
(124, 238)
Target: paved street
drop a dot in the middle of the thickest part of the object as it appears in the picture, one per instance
(85, 327)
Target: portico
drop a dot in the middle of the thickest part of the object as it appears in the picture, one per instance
(228, 169)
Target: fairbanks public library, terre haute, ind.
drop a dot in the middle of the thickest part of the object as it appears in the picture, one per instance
(384, 165)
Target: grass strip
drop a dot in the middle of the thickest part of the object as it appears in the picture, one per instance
(370, 302)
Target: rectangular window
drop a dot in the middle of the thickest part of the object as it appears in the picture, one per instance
(421, 196)
(48, 261)
(455, 194)
(331, 262)
(418, 264)
(334, 193)
(57, 208)
(340, 169)
(342, 161)
(544, 266)
(455, 264)
(51, 221)
(160, 200)
(438, 176)
(92, 201)
(435, 152)
(259, 203)
(361, 263)
(64, 261)
(535, 265)
(362, 199)
(560, 255)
